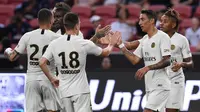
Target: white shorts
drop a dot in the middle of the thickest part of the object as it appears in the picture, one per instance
(157, 99)
(177, 91)
(41, 95)
(77, 103)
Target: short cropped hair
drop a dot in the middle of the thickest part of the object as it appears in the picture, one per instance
(62, 6)
(150, 14)
(44, 16)
(70, 20)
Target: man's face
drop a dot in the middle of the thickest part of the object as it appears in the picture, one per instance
(144, 22)
(58, 16)
(166, 23)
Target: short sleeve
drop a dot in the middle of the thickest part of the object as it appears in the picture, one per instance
(165, 44)
(138, 51)
(142, 39)
(91, 48)
(186, 48)
(49, 52)
(22, 44)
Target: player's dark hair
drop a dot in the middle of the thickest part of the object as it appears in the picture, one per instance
(150, 14)
(70, 20)
(61, 6)
(174, 16)
(44, 16)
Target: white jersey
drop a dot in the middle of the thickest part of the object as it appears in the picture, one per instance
(152, 50)
(35, 44)
(179, 50)
(69, 53)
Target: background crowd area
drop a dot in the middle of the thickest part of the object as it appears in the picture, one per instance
(20, 16)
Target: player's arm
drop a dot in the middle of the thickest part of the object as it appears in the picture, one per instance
(134, 58)
(132, 45)
(187, 57)
(48, 55)
(19, 49)
(12, 55)
(100, 33)
(44, 67)
(161, 64)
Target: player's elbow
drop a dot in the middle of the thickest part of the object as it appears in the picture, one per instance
(105, 53)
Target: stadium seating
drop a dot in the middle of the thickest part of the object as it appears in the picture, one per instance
(197, 12)
(134, 11)
(86, 25)
(185, 11)
(34, 23)
(157, 7)
(15, 2)
(3, 1)
(6, 11)
(106, 11)
(83, 11)
(110, 20)
(186, 23)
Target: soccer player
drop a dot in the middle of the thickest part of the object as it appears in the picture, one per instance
(39, 92)
(181, 57)
(155, 51)
(60, 10)
(69, 52)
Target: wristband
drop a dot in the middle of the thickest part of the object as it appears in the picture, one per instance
(121, 45)
(8, 51)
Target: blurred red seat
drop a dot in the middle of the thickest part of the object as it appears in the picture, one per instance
(110, 20)
(15, 2)
(106, 11)
(86, 25)
(34, 23)
(134, 10)
(6, 12)
(193, 49)
(197, 12)
(3, 1)
(185, 11)
(83, 11)
(186, 23)
(157, 7)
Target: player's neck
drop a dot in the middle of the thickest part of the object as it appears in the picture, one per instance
(152, 32)
(171, 33)
(71, 32)
(44, 27)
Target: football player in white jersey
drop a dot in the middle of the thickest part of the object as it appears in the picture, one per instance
(69, 53)
(39, 92)
(181, 57)
(155, 51)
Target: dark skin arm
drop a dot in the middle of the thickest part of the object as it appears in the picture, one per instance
(187, 63)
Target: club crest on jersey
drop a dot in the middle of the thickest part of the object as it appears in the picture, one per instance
(153, 45)
(172, 47)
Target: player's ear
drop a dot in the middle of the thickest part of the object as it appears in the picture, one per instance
(173, 24)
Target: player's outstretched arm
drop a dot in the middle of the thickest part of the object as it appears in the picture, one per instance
(129, 55)
(100, 33)
(43, 66)
(12, 55)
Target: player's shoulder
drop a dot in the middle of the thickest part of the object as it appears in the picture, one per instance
(180, 37)
(163, 35)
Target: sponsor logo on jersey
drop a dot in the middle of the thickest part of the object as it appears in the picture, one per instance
(149, 58)
(166, 50)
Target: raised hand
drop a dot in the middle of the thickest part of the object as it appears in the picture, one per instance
(115, 38)
(102, 32)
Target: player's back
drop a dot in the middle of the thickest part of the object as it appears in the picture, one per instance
(69, 53)
(36, 43)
